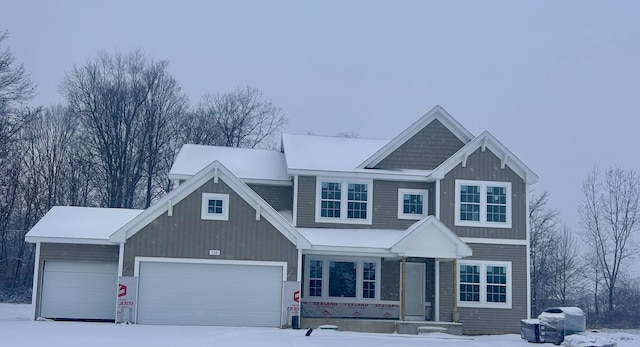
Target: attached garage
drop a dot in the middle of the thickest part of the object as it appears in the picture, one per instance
(79, 290)
(231, 293)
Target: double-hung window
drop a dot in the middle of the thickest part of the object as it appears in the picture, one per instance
(328, 277)
(484, 284)
(412, 203)
(343, 201)
(215, 206)
(483, 204)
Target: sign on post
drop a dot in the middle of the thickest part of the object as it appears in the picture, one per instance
(127, 288)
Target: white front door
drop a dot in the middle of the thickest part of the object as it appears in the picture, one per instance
(414, 291)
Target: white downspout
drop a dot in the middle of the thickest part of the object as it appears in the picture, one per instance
(437, 303)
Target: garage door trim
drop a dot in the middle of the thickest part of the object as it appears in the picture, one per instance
(283, 264)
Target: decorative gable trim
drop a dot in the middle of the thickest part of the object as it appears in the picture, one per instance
(435, 113)
(486, 141)
(431, 233)
(216, 171)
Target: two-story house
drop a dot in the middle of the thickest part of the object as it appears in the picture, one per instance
(428, 227)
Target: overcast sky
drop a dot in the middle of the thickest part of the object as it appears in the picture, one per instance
(557, 82)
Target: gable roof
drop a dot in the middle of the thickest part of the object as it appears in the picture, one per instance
(216, 170)
(426, 238)
(487, 141)
(435, 113)
(327, 153)
(250, 165)
(430, 236)
(91, 225)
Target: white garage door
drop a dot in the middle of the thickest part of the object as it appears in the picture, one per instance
(79, 290)
(209, 294)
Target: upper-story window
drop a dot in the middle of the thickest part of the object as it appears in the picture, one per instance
(484, 284)
(483, 204)
(215, 206)
(412, 203)
(343, 201)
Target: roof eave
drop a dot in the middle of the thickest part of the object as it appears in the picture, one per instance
(76, 240)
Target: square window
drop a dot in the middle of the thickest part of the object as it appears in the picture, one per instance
(215, 206)
(342, 279)
(412, 203)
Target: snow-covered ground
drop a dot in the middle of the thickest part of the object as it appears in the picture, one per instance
(17, 329)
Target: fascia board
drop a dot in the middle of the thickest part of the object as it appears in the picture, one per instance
(399, 176)
(36, 239)
(350, 251)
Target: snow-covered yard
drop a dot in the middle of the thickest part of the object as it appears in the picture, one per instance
(16, 329)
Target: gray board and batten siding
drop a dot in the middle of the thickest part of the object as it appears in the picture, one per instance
(427, 149)
(186, 235)
(72, 252)
(385, 205)
(485, 166)
(477, 320)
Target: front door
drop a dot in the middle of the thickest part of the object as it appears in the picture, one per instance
(414, 291)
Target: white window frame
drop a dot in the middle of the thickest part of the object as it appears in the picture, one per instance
(325, 278)
(425, 203)
(204, 213)
(483, 204)
(483, 303)
(344, 191)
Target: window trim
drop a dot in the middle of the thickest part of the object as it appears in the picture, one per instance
(204, 212)
(344, 186)
(483, 204)
(483, 303)
(325, 278)
(425, 203)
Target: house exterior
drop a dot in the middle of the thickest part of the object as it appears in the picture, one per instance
(430, 226)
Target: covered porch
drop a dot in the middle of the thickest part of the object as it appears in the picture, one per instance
(378, 280)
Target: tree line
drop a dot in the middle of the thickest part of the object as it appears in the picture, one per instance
(593, 267)
(110, 144)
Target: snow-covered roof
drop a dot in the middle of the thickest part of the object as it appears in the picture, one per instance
(247, 164)
(326, 153)
(70, 224)
(426, 238)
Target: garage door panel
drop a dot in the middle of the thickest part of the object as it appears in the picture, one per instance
(79, 290)
(209, 294)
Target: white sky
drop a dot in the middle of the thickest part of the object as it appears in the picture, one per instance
(556, 81)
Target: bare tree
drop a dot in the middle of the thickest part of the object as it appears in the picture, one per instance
(242, 118)
(565, 267)
(609, 215)
(543, 223)
(16, 88)
(124, 103)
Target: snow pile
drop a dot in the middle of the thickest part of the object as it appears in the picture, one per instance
(589, 339)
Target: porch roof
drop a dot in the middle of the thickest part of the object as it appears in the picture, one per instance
(427, 238)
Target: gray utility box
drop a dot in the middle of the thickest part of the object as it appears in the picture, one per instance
(530, 330)
(558, 322)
